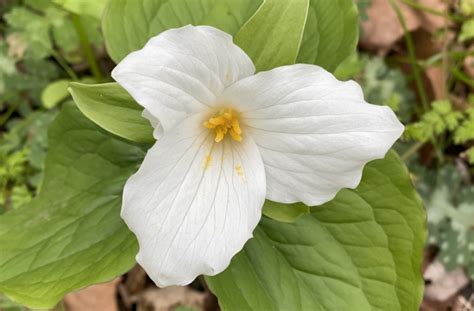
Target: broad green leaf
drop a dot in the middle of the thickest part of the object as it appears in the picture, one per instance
(71, 235)
(284, 212)
(113, 109)
(128, 24)
(55, 93)
(467, 31)
(467, 7)
(360, 251)
(272, 37)
(349, 68)
(92, 8)
(331, 33)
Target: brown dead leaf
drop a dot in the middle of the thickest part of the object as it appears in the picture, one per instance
(16, 46)
(444, 284)
(463, 304)
(101, 297)
(167, 299)
(469, 66)
(437, 77)
(383, 29)
(431, 22)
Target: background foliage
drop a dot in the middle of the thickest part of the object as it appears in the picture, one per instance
(46, 44)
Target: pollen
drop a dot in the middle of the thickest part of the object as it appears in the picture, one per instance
(225, 121)
(207, 161)
(239, 170)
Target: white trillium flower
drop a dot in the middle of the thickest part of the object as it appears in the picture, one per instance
(228, 140)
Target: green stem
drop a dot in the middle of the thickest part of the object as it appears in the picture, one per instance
(412, 150)
(416, 72)
(86, 47)
(432, 11)
(458, 74)
(439, 153)
(6, 196)
(412, 56)
(11, 109)
(64, 65)
(434, 59)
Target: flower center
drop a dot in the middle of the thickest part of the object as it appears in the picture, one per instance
(223, 122)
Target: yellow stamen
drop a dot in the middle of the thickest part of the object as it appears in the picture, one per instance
(219, 134)
(225, 121)
(217, 121)
(236, 126)
(235, 135)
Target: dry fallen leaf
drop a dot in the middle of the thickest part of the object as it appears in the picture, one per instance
(469, 66)
(437, 78)
(431, 22)
(16, 46)
(383, 29)
(444, 284)
(167, 299)
(101, 297)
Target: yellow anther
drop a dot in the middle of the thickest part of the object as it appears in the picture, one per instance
(225, 121)
(236, 126)
(209, 125)
(236, 136)
(217, 121)
(219, 134)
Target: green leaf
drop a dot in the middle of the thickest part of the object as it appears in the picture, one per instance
(331, 33)
(361, 251)
(8, 305)
(33, 29)
(272, 37)
(349, 68)
(284, 212)
(71, 235)
(380, 83)
(467, 31)
(113, 109)
(55, 93)
(128, 24)
(92, 8)
(40, 26)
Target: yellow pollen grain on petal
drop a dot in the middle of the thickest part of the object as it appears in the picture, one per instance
(207, 161)
(239, 170)
(223, 122)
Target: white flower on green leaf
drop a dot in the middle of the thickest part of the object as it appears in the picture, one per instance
(228, 139)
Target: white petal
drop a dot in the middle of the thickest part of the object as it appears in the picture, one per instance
(314, 133)
(181, 71)
(154, 122)
(193, 203)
